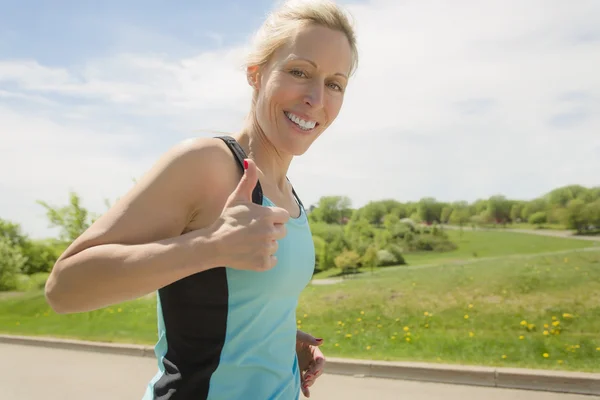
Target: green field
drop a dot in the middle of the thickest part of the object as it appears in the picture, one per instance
(478, 244)
(489, 312)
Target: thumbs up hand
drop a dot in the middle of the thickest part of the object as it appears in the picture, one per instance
(246, 234)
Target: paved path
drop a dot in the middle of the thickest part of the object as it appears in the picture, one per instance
(540, 232)
(34, 373)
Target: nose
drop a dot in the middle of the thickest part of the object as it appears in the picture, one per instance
(314, 95)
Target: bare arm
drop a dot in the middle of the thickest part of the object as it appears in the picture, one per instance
(137, 246)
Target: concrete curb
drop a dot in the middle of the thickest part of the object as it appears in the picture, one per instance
(510, 378)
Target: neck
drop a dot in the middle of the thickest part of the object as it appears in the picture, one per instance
(271, 163)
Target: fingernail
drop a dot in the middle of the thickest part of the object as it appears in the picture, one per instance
(245, 164)
(319, 340)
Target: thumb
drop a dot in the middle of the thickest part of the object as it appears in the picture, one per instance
(246, 186)
(308, 339)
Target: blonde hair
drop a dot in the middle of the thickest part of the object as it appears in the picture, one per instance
(281, 24)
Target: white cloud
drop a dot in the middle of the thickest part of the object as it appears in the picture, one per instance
(456, 100)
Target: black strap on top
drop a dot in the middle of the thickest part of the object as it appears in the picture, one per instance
(240, 155)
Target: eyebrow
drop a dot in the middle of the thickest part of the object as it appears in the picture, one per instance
(315, 65)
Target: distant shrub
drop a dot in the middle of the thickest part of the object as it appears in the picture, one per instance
(11, 262)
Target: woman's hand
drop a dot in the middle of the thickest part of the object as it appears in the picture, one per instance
(310, 360)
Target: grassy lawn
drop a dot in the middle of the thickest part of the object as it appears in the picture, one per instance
(499, 313)
(475, 244)
(539, 312)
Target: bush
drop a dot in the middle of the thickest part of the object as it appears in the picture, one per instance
(11, 262)
(41, 256)
(32, 282)
(396, 252)
(538, 218)
(432, 243)
(347, 261)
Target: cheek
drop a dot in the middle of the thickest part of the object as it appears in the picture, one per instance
(333, 107)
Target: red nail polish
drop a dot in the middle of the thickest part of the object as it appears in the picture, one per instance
(245, 164)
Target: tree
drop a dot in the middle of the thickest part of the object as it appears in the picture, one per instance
(72, 219)
(12, 233)
(446, 212)
(370, 259)
(332, 210)
(429, 210)
(575, 215)
(460, 216)
(532, 207)
(11, 263)
(498, 209)
(515, 211)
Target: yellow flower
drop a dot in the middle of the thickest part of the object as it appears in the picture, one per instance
(119, 310)
(407, 334)
(466, 316)
(567, 316)
(577, 346)
(470, 305)
(426, 325)
(597, 348)
(378, 318)
(546, 326)
(305, 315)
(368, 347)
(362, 313)
(348, 335)
(299, 322)
(556, 323)
(379, 326)
(397, 319)
(521, 337)
(471, 334)
(340, 323)
(408, 339)
(546, 333)
(554, 318)
(531, 327)
(406, 329)
(560, 361)
(504, 356)
(358, 319)
(337, 345)
(393, 338)
(426, 313)
(546, 355)
(523, 323)
(414, 284)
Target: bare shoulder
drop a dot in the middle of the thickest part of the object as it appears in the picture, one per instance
(189, 180)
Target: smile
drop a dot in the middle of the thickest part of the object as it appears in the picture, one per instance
(302, 124)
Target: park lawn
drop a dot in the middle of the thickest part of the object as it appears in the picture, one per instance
(477, 244)
(491, 312)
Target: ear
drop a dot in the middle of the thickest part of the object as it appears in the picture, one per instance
(252, 74)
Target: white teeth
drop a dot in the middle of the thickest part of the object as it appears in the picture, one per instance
(306, 125)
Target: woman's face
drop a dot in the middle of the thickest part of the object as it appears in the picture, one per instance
(301, 89)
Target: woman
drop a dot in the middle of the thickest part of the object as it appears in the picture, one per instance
(217, 229)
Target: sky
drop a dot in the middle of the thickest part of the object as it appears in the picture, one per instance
(454, 100)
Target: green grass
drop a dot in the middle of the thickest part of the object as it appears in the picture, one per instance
(477, 244)
(496, 295)
(502, 293)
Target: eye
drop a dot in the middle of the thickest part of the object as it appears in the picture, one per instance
(297, 72)
(335, 86)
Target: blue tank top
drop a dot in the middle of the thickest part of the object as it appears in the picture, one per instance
(227, 334)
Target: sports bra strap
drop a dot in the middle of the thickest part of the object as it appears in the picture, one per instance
(240, 155)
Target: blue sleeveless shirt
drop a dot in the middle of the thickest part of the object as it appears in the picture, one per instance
(227, 334)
